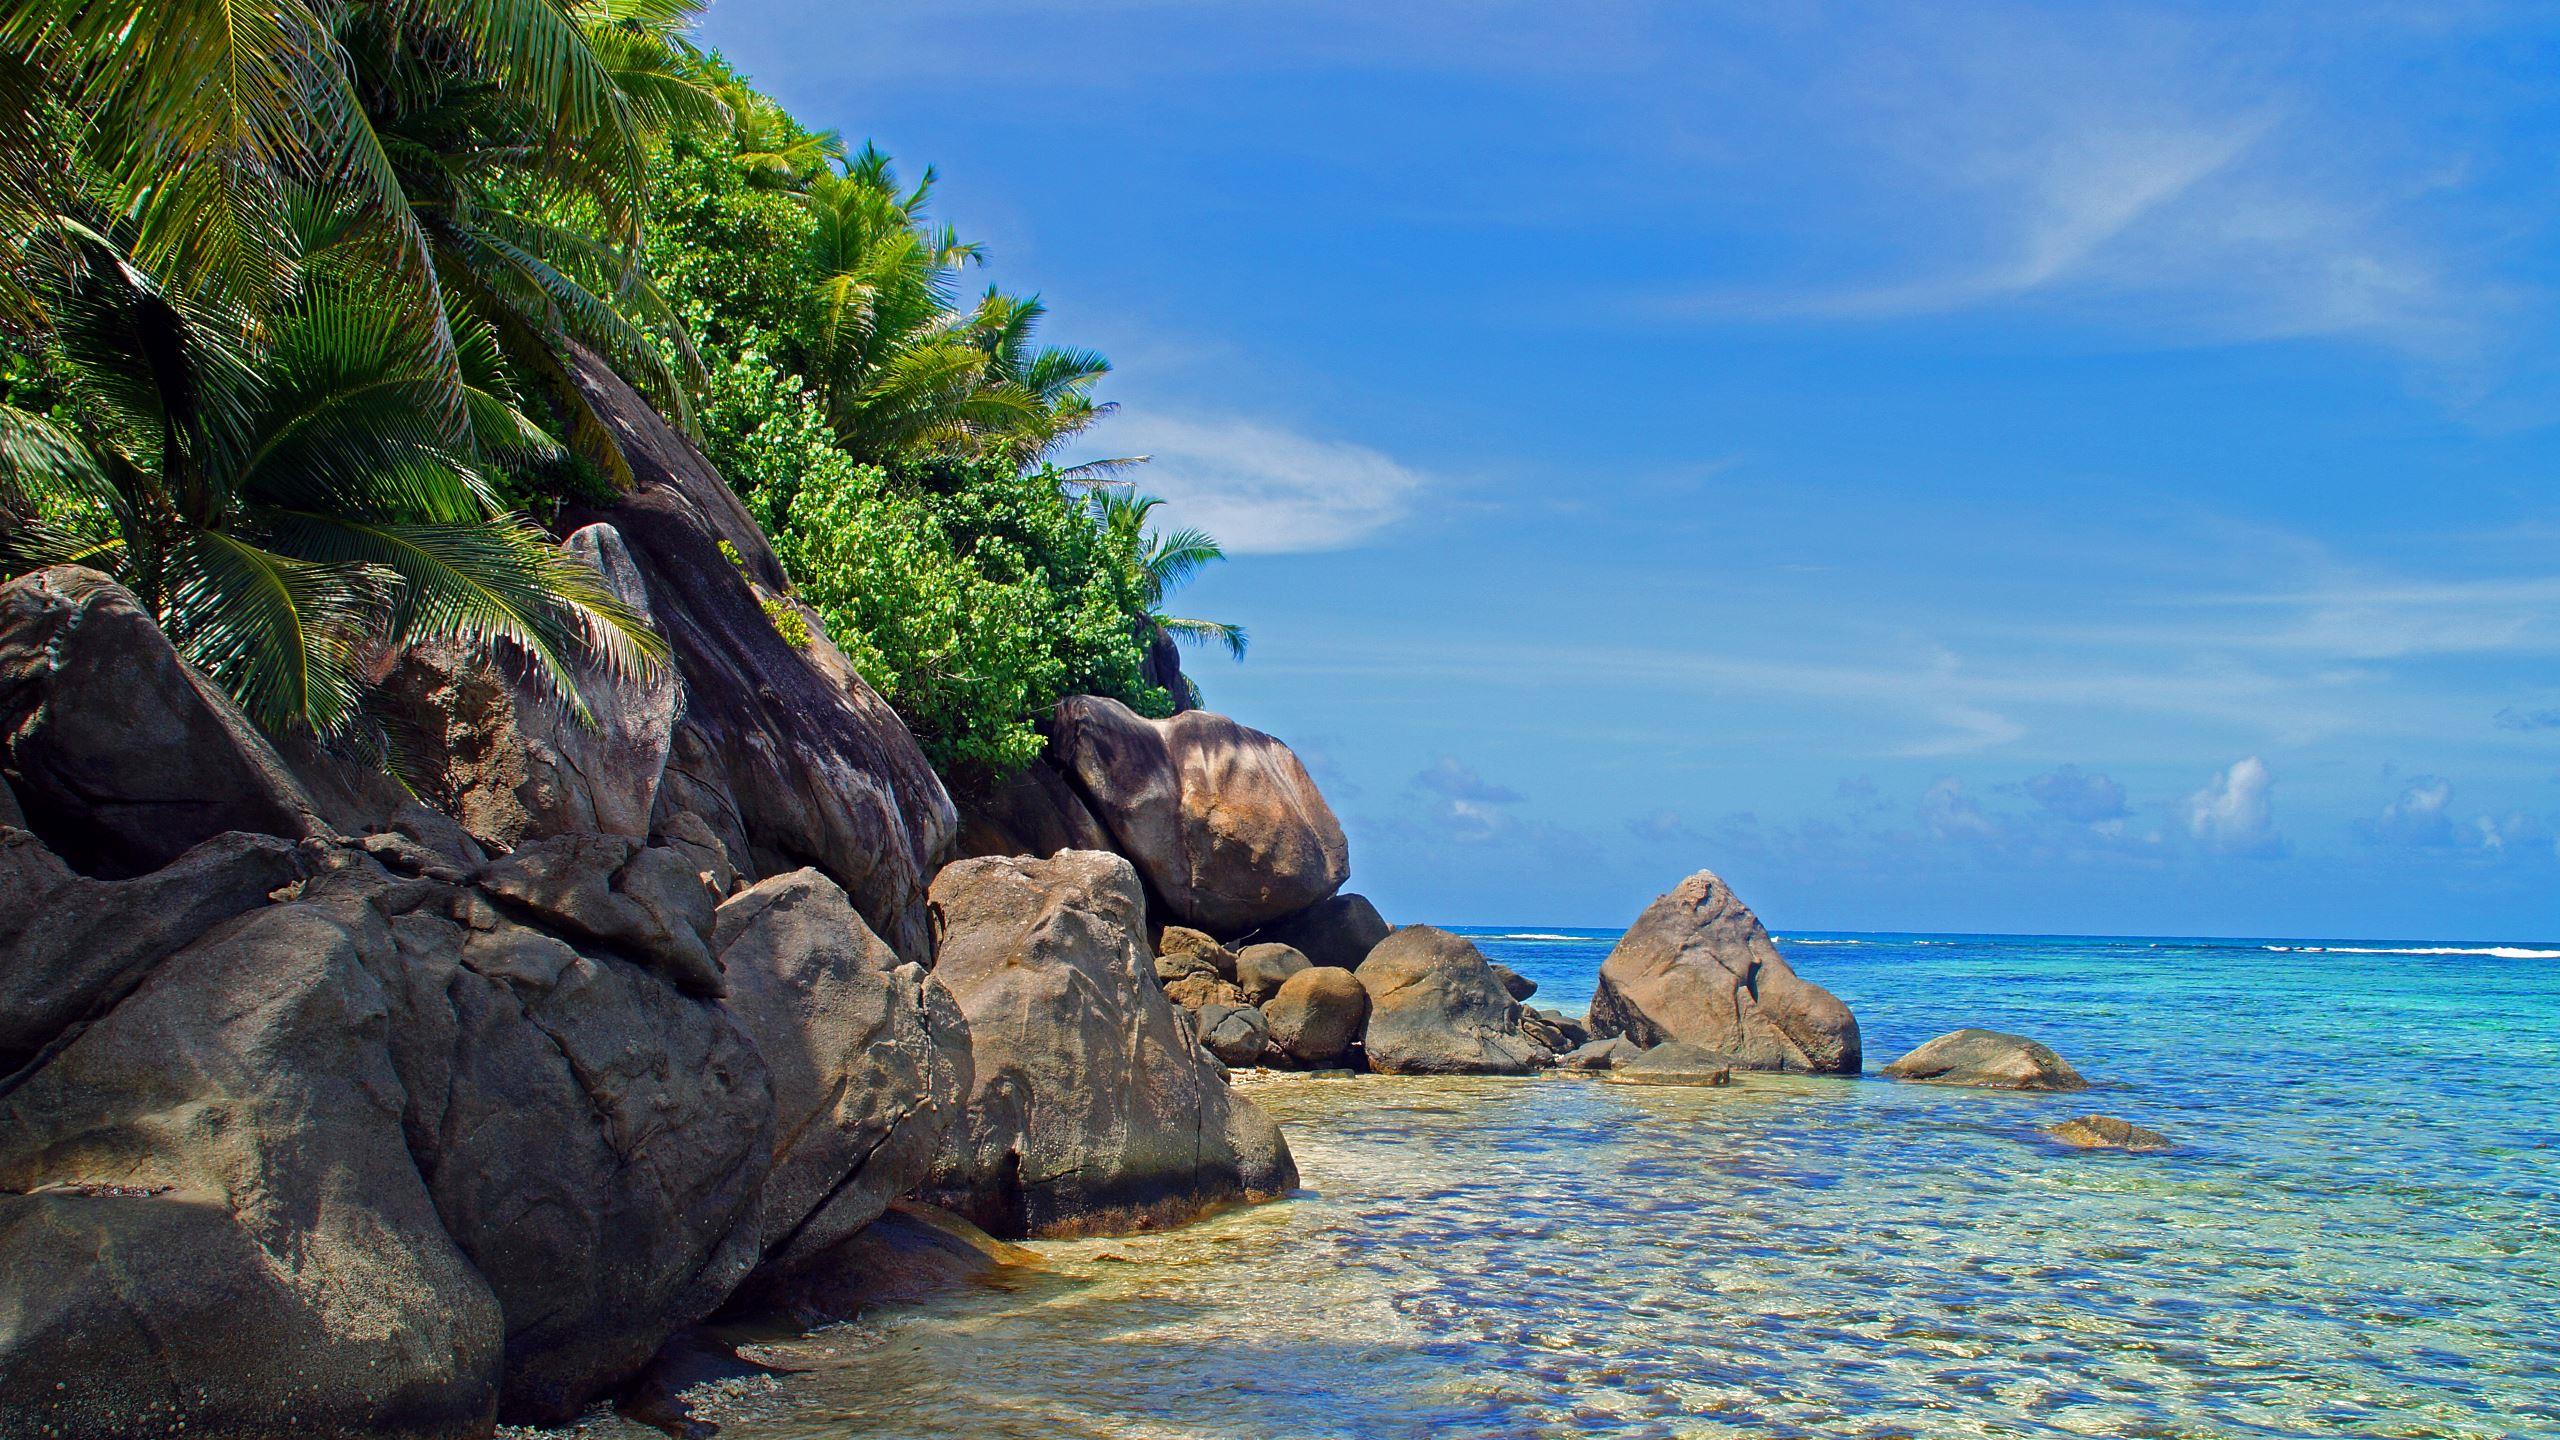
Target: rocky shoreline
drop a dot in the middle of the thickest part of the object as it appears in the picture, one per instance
(353, 1109)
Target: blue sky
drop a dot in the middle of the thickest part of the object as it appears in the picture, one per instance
(1943, 466)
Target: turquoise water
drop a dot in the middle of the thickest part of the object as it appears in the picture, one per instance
(2360, 1235)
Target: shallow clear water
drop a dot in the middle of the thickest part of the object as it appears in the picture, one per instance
(2360, 1235)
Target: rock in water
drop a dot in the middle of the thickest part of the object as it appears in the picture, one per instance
(1223, 822)
(123, 758)
(1599, 1055)
(1339, 931)
(2106, 1132)
(1520, 986)
(1554, 1029)
(1436, 1008)
(783, 751)
(210, 1224)
(1090, 1107)
(1988, 1059)
(1697, 967)
(869, 1059)
(1236, 1034)
(1316, 1015)
(1262, 969)
(1675, 1063)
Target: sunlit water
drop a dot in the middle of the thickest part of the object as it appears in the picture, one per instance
(2359, 1236)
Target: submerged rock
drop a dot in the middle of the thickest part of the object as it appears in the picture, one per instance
(1436, 1008)
(1316, 1015)
(1338, 931)
(910, 1253)
(1091, 1107)
(1990, 1060)
(2106, 1132)
(1224, 822)
(121, 756)
(1675, 1063)
(1698, 967)
(1262, 969)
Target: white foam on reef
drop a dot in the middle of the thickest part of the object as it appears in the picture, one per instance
(1535, 935)
(2498, 952)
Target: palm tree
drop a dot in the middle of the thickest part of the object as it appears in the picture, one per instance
(291, 507)
(490, 154)
(1164, 563)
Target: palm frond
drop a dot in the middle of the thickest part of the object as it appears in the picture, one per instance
(490, 581)
(283, 635)
(1205, 632)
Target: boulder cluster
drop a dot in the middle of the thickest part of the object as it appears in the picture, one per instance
(332, 1105)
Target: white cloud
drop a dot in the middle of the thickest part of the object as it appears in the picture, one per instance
(2233, 812)
(1260, 489)
(2420, 815)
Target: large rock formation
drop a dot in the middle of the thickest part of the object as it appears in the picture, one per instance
(648, 902)
(209, 1223)
(1990, 1060)
(869, 1059)
(595, 1139)
(121, 756)
(784, 752)
(76, 946)
(508, 759)
(1698, 967)
(1035, 813)
(1223, 822)
(1091, 1105)
(1436, 1008)
(1339, 931)
(375, 1137)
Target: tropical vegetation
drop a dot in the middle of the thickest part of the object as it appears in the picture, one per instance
(292, 298)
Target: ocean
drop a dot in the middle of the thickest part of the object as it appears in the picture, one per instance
(2358, 1236)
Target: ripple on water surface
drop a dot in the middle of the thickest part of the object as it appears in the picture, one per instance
(2360, 1235)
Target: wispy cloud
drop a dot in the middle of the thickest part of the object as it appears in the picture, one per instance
(1262, 489)
(2079, 796)
(2177, 180)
